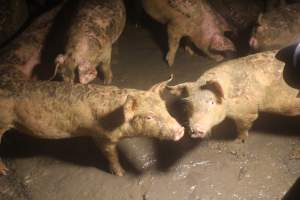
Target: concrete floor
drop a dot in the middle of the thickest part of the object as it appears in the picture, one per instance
(265, 167)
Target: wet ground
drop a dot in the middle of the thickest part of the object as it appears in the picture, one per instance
(265, 167)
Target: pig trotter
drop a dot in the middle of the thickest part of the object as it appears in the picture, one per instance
(174, 39)
(106, 68)
(189, 50)
(110, 152)
(3, 169)
(243, 125)
(68, 75)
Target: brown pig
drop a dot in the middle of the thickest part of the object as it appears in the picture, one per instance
(13, 15)
(56, 110)
(96, 26)
(194, 19)
(238, 89)
(277, 28)
(24, 52)
(240, 14)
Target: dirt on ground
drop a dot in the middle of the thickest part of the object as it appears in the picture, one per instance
(218, 168)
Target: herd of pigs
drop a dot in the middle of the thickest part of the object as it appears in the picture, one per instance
(239, 88)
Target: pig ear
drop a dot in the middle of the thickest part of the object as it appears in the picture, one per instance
(159, 87)
(59, 60)
(130, 106)
(259, 19)
(216, 88)
(180, 90)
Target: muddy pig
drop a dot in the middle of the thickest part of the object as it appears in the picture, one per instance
(55, 110)
(194, 19)
(277, 28)
(13, 15)
(96, 26)
(240, 14)
(24, 52)
(238, 89)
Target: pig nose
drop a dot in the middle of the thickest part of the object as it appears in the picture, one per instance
(253, 43)
(179, 132)
(198, 132)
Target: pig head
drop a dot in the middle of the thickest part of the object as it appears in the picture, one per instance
(147, 115)
(205, 105)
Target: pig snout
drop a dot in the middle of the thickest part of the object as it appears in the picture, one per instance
(178, 133)
(87, 75)
(198, 131)
(253, 43)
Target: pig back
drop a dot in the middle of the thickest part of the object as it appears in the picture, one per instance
(279, 27)
(13, 15)
(246, 77)
(99, 18)
(240, 14)
(30, 42)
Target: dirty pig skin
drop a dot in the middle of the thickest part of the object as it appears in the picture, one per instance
(238, 89)
(24, 52)
(55, 110)
(96, 26)
(277, 28)
(194, 19)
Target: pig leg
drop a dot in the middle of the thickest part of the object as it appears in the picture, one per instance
(3, 168)
(109, 149)
(68, 75)
(106, 67)
(189, 50)
(173, 38)
(243, 124)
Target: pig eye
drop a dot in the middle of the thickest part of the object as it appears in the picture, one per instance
(148, 117)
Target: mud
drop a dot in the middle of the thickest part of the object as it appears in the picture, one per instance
(265, 167)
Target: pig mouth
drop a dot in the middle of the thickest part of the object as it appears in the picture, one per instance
(198, 133)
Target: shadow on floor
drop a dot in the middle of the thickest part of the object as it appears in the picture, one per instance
(294, 191)
(79, 151)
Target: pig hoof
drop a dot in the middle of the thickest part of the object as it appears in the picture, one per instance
(3, 169)
(240, 140)
(107, 81)
(117, 171)
(170, 60)
(189, 50)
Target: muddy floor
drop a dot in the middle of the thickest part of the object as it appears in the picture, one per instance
(218, 168)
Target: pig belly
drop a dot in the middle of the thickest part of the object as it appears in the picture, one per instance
(39, 121)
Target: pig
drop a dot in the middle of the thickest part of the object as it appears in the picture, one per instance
(55, 110)
(13, 15)
(239, 14)
(238, 89)
(194, 19)
(96, 26)
(277, 28)
(24, 52)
